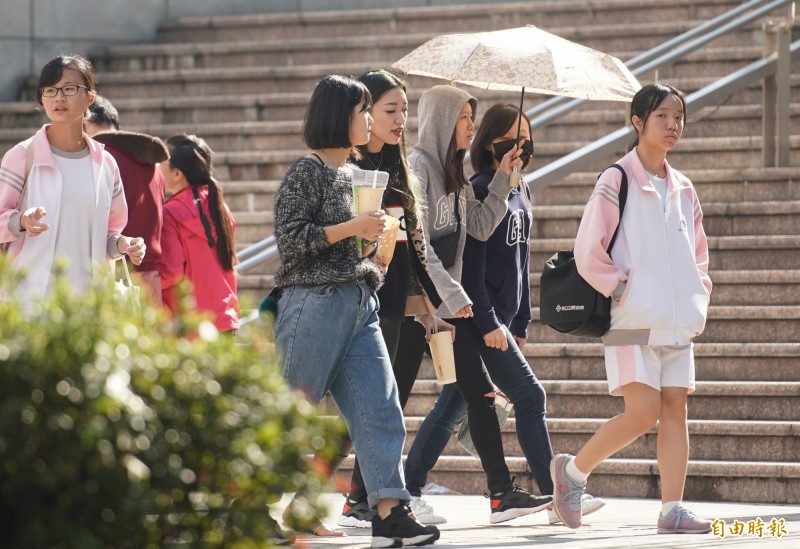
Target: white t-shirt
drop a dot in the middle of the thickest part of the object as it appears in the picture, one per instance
(660, 185)
(78, 208)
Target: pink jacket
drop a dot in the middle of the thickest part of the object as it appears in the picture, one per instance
(43, 188)
(661, 256)
(185, 254)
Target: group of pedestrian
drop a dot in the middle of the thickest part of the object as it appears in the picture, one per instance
(463, 253)
(346, 325)
(83, 194)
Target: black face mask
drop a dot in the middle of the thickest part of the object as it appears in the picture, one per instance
(501, 148)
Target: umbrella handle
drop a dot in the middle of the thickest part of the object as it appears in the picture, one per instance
(513, 180)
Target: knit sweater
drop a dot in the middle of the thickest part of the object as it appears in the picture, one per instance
(310, 198)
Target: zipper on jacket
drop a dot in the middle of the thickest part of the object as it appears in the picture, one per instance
(671, 278)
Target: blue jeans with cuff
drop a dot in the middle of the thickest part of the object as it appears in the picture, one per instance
(331, 341)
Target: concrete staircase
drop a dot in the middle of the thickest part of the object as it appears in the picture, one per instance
(242, 83)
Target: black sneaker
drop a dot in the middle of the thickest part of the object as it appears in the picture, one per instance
(515, 503)
(356, 514)
(399, 529)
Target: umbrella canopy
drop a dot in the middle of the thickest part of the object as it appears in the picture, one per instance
(523, 58)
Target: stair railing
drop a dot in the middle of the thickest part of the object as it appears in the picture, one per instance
(537, 113)
(664, 54)
(711, 95)
(774, 68)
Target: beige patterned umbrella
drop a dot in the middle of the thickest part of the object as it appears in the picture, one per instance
(524, 58)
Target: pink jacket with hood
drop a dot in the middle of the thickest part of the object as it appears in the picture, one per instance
(662, 256)
(44, 188)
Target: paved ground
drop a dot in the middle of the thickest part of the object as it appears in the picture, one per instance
(621, 523)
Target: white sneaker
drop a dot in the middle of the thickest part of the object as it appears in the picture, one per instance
(424, 512)
(589, 504)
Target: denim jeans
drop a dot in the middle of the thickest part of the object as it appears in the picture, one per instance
(513, 376)
(331, 341)
(405, 373)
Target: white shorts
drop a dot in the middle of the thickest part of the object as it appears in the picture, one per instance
(657, 366)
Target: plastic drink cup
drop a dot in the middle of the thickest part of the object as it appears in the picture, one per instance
(444, 362)
(369, 199)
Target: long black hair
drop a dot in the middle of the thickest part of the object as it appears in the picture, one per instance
(648, 98)
(405, 183)
(192, 156)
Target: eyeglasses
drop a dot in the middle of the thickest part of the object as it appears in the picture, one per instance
(72, 89)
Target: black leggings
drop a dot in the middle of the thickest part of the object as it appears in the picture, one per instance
(473, 384)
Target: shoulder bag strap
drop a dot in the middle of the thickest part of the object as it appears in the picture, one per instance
(28, 167)
(623, 197)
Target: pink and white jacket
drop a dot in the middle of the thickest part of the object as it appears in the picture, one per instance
(44, 187)
(662, 256)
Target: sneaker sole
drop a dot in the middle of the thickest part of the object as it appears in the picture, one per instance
(353, 522)
(591, 508)
(425, 539)
(387, 542)
(432, 519)
(515, 512)
(555, 507)
(682, 531)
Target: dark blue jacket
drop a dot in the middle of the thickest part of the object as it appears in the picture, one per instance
(496, 272)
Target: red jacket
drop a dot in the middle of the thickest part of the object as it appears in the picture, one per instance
(185, 254)
(137, 156)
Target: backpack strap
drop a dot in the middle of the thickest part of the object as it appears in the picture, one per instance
(623, 197)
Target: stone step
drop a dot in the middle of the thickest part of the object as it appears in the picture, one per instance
(731, 288)
(617, 39)
(729, 121)
(434, 20)
(757, 482)
(727, 152)
(771, 441)
(726, 252)
(740, 361)
(278, 78)
(713, 185)
(726, 324)
(719, 219)
(736, 288)
(712, 400)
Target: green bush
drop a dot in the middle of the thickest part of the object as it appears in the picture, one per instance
(117, 434)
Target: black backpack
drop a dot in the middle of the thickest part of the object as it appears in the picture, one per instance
(569, 304)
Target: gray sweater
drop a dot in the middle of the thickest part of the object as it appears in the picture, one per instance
(438, 112)
(310, 198)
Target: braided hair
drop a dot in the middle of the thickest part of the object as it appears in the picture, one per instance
(192, 156)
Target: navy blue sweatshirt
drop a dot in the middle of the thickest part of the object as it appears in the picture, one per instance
(495, 274)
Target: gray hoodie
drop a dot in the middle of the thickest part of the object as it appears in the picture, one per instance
(438, 112)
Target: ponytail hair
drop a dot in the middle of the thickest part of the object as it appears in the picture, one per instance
(192, 156)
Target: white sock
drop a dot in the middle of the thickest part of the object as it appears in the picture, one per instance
(574, 473)
(668, 506)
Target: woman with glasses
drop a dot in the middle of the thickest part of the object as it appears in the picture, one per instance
(197, 235)
(60, 193)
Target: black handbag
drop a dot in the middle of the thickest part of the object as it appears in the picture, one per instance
(569, 304)
(446, 247)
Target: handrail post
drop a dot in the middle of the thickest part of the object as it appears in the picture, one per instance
(783, 82)
(776, 92)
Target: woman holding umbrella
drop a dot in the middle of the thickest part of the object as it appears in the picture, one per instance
(496, 274)
(446, 125)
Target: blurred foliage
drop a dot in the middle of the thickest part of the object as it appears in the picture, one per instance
(119, 432)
